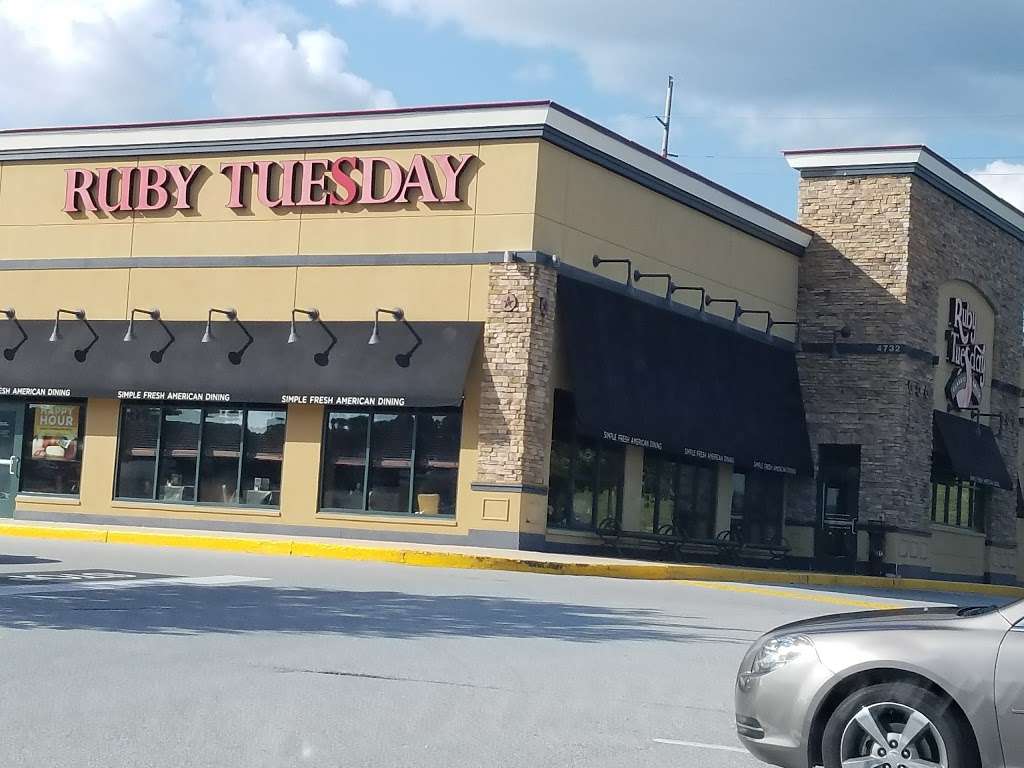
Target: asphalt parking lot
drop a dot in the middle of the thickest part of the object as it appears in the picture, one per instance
(119, 655)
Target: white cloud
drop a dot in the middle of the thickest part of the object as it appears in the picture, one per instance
(68, 60)
(123, 60)
(261, 59)
(1005, 179)
(782, 73)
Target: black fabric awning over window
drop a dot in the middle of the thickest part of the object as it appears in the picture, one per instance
(653, 377)
(969, 450)
(415, 364)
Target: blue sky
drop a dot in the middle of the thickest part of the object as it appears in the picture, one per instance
(753, 77)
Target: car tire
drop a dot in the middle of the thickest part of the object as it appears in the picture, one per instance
(938, 712)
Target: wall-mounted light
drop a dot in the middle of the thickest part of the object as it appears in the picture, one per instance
(977, 413)
(230, 313)
(708, 301)
(598, 261)
(700, 306)
(670, 287)
(740, 312)
(773, 323)
(398, 314)
(320, 358)
(10, 314)
(234, 356)
(844, 332)
(82, 353)
(157, 355)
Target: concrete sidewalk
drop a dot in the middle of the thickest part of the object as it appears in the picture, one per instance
(443, 556)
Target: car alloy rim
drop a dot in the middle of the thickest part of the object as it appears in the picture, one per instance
(890, 735)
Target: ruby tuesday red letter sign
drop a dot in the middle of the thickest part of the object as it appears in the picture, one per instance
(371, 180)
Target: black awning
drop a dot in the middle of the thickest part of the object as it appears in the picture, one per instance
(419, 364)
(654, 377)
(970, 450)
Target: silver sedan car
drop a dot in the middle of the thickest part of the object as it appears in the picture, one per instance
(915, 688)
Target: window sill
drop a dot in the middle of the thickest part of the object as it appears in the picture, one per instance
(968, 532)
(45, 498)
(206, 509)
(572, 533)
(383, 517)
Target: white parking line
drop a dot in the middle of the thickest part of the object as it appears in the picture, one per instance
(194, 581)
(702, 745)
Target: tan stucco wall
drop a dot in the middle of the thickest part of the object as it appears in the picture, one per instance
(498, 193)
(957, 552)
(518, 195)
(583, 210)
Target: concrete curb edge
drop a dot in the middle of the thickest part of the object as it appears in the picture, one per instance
(522, 562)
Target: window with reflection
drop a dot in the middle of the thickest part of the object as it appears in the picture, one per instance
(680, 493)
(52, 458)
(437, 461)
(757, 506)
(231, 456)
(586, 477)
(958, 502)
(391, 462)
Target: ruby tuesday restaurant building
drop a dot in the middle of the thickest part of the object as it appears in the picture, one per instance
(505, 325)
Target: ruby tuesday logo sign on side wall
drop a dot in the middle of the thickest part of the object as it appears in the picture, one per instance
(371, 180)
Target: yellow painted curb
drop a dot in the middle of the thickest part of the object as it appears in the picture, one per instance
(45, 532)
(405, 556)
(217, 543)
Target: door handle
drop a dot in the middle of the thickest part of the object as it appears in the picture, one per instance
(12, 465)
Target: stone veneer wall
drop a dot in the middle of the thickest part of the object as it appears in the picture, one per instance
(882, 246)
(950, 242)
(515, 400)
(854, 273)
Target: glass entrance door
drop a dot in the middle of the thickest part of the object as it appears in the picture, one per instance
(12, 417)
(835, 540)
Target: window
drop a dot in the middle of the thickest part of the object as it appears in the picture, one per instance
(956, 502)
(391, 462)
(52, 459)
(201, 455)
(586, 477)
(678, 493)
(757, 506)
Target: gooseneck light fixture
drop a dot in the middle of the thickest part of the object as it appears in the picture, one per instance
(234, 356)
(845, 333)
(740, 312)
(323, 357)
(670, 287)
(598, 261)
(773, 323)
(230, 313)
(11, 351)
(82, 353)
(703, 293)
(157, 355)
(397, 313)
(977, 414)
(736, 311)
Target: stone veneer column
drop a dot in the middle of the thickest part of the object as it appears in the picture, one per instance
(881, 249)
(854, 274)
(515, 398)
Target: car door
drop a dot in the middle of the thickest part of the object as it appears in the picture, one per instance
(1009, 692)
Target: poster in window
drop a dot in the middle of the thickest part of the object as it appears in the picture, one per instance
(55, 432)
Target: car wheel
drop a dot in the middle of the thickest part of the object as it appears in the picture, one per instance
(894, 725)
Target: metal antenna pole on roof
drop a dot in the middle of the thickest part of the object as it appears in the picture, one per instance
(666, 121)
